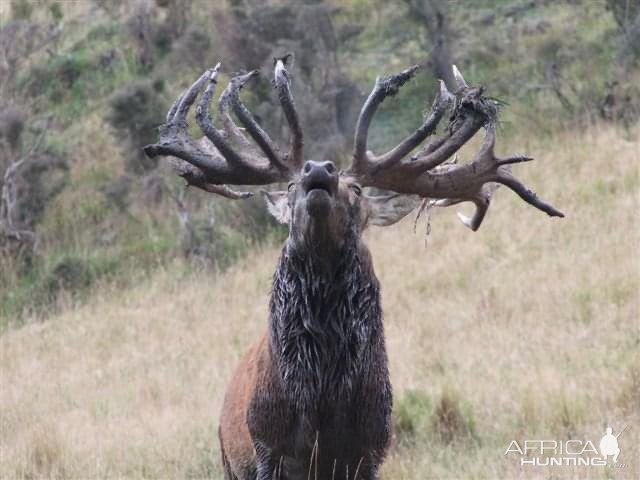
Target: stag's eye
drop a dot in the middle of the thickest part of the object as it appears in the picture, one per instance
(356, 189)
(291, 186)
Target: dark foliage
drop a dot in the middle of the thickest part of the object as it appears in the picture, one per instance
(11, 126)
(40, 179)
(448, 422)
(135, 113)
(68, 274)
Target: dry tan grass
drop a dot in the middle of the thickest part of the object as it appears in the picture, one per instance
(532, 323)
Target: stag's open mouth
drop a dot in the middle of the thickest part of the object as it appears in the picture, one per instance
(319, 183)
(317, 187)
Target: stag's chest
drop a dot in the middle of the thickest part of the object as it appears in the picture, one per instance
(333, 398)
(321, 333)
(321, 357)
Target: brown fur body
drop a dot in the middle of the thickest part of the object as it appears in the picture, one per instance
(329, 415)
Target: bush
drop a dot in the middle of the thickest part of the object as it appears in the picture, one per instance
(11, 126)
(209, 243)
(57, 78)
(55, 9)
(40, 179)
(71, 274)
(36, 288)
(411, 414)
(136, 111)
(194, 47)
(21, 9)
(451, 420)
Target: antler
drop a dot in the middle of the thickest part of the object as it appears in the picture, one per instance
(225, 156)
(426, 173)
(281, 82)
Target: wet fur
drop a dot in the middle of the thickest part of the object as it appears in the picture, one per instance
(313, 398)
(321, 371)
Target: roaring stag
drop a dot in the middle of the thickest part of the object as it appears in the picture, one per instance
(312, 399)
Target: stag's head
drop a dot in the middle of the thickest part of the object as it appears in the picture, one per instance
(324, 206)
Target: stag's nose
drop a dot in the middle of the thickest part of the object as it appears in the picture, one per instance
(320, 175)
(311, 165)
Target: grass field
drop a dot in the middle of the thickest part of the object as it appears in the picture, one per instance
(528, 329)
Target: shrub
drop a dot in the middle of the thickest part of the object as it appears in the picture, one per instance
(55, 9)
(11, 126)
(40, 179)
(116, 192)
(411, 413)
(21, 9)
(136, 111)
(56, 78)
(194, 47)
(71, 274)
(451, 420)
(207, 243)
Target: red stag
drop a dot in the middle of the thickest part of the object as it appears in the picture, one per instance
(312, 399)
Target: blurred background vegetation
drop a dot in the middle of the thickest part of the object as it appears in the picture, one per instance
(84, 84)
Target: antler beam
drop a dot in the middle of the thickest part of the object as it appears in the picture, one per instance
(425, 174)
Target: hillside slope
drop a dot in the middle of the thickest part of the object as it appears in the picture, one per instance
(526, 329)
(102, 83)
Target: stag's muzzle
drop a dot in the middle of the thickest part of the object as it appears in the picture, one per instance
(318, 177)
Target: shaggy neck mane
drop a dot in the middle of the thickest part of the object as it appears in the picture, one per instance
(325, 316)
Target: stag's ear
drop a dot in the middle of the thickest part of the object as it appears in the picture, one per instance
(385, 210)
(278, 205)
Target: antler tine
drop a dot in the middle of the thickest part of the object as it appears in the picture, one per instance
(174, 107)
(383, 88)
(196, 178)
(173, 140)
(486, 158)
(472, 111)
(459, 78)
(256, 131)
(282, 84)
(506, 178)
(210, 168)
(205, 122)
(230, 128)
(481, 200)
(183, 105)
(441, 103)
